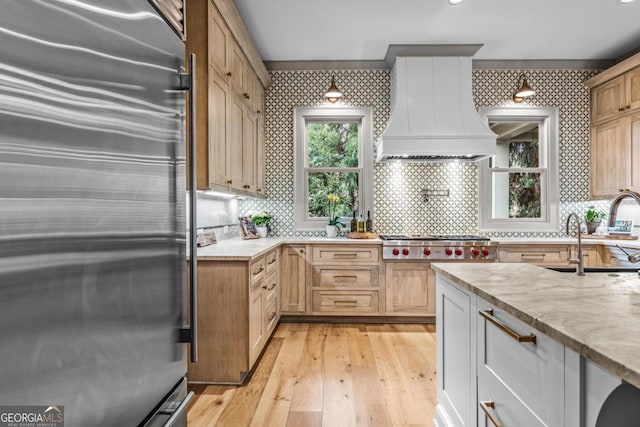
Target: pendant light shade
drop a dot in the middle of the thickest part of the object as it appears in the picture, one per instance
(525, 91)
(333, 93)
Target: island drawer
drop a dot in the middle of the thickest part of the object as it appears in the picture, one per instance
(534, 254)
(346, 253)
(533, 371)
(495, 400)
(345, 276)
(345, 302)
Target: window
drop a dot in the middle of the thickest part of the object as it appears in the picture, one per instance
(519, 185)
(332, 155)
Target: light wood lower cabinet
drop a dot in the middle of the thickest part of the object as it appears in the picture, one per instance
(544, 255)
(345, 280)
(237, 312)
(410, 288)
(294, 271)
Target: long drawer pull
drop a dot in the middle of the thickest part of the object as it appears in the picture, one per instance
(344, 278)
(488, 407)
(271, 261)
(345, 255)
(488, 314)
(349, 303)
(532, 255)
(260, 270)
(273, 285)
(272, 315)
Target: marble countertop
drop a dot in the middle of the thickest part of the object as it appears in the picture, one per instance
(597, 316)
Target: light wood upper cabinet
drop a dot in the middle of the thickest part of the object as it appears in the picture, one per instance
(229, 74)
(615, 132)
(608, 100)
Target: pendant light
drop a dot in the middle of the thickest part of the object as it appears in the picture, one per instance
(525, 91)
(333, 93)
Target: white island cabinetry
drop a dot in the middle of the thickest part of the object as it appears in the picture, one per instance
(495, 368)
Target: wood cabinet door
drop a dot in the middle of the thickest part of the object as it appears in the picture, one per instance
(248, 151)
(219, 42)
(237, 65)
(256, 324)
(235, 142)
(610, 161)
(260, 157)
(293, 272)
(410, 289)
(632, 87)
(633, 135)
(608, 100)
(219, 99)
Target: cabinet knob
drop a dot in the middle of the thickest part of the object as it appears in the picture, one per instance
(259, 111)
(301, 251)
(245, 186)
(628, 106)
(229, 73)
(230, 182)
(621, 109)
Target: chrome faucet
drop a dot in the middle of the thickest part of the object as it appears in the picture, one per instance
(579, 261)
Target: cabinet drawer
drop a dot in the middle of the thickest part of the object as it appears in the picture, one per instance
(534, 372)
(271, 260)
(270, 316)
(336, 275)
(270, 286)
(256, 271)
(345, 302)
(347, 253)
(507, 409)
(536, 254)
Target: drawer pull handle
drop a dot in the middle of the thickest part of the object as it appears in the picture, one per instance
(272, 315)
(345, 255)
(260, 270)
(271, 261)
(345, 278)
(488, 314)
(273, 285)
(540, 255)
(488, 407)
(349, 303)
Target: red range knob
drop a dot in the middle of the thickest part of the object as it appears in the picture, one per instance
(396, 252)
(427, 251)
(485, 252)
(448, 251)
(475, 252)
(458, 252)
(405, 252)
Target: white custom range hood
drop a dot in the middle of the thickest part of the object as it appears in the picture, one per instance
(433, 117)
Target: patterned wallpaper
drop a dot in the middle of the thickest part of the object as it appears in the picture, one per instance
(398, 204)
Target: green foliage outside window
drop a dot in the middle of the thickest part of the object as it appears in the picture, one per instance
(333, 145)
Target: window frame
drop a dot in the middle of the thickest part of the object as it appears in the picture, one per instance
(548, 140)
(363, 116)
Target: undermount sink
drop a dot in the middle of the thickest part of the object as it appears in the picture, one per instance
(572, 269)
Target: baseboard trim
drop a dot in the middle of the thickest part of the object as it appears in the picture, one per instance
(357, 319)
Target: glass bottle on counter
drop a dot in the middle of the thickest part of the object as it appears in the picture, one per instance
(361, 224)
(354, 223)
(369, 223)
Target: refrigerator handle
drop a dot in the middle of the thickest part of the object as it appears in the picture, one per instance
(188, 82)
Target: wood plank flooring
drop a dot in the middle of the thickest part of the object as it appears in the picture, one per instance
(331, 375)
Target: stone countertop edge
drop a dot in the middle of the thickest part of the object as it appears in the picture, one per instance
(601, 325)
(244, 250)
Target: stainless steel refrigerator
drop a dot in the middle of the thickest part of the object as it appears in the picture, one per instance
(92, 211)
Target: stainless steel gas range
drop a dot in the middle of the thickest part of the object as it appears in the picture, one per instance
(439, 247)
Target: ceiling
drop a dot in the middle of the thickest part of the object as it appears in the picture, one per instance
(297, 30)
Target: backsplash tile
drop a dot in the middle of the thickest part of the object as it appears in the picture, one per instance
(398, 203)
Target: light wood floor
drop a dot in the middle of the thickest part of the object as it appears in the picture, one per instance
(331, 375)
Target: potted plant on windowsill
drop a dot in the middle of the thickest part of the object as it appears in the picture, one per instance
(334, 220)
(593, 217)
(262, 220)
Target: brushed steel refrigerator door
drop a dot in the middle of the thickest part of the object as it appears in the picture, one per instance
(92, 229)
